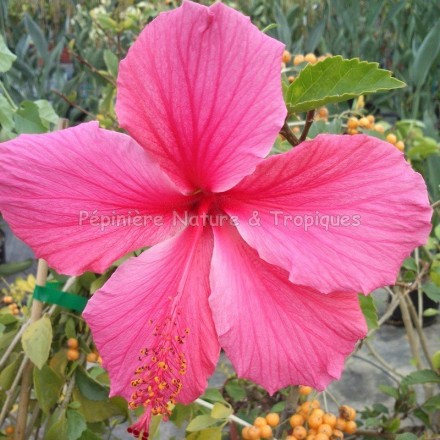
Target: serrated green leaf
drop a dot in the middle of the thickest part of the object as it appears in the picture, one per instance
(335, 80)
(6, 56)
(235, 390)
(76, 425)
(201, 422)
(369, 310)
(36, 341)
(48, 387)
(422, 376)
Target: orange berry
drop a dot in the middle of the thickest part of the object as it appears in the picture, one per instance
(347, 412)
(325, 429)
(310, 58)
(273, 419)
(296, 420)
(323, 113)
(329, 419)
(318, 412)
(337, 435)
(311, 437)
(72, 354)
(245, 433)
(313, 431)
(379, 128)
(286, 56)
(314, 420)
(92, 357)
(391, 138)
(364, 122)
(291, 79)
(321, 58)
(8, 300)
(371, 119)
(321, 436)
(290, 437)
(352, 131)
(99, 360)
(340, 424)
(350, 427)
(400, 145)
(72, 343)
(296, 130)
(265, 431)
(12, 307)
(298, 59)
(254, 433)
(9, 430)
(260, 421)
(352, 122)
(299, 432)
(15, 312)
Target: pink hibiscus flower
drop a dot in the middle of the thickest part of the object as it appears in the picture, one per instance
(275, 284)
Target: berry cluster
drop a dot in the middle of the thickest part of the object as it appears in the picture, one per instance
(12, 306)
(72, 353)
(365, 122)
(309, 422)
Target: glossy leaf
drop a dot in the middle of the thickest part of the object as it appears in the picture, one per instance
(335, 80)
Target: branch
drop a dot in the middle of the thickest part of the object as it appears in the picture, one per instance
(73, 104)
(309, 121)
(288, 134)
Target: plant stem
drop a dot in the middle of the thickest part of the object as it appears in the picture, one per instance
(8, 96)
(309, 121)
(288, 134)
(73, 104)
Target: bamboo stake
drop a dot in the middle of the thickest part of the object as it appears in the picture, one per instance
(36, 312)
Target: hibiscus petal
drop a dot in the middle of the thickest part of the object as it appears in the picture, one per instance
(200, 90)
(364, 206)
(56, 187)
(150, 303)
(274, 332)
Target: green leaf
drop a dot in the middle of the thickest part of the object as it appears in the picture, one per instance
(11, 268)
(335, 80)
(46, 112)
(89, 435)
(48, 387)
(37, 36)
(8, 374)
(201, 422)
(6, 56)
(235, 390)
(181, 413)
(213, 395)
(432, 291)
(406, 436)
(57, 426)
(422, 376)
(425, 56)
(221, 411)
(76, 425)
(422, 148)
(278, 407)
(389, 391)
(206, 434)
(97, 411)
(36, 341)
(369, 310)
(432, 404)
(6, 114)
(430, 312)
(27, 118)
(111, 62)
(90, 388)
(410, 264)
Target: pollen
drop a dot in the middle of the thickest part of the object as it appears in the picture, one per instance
(157, 380)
